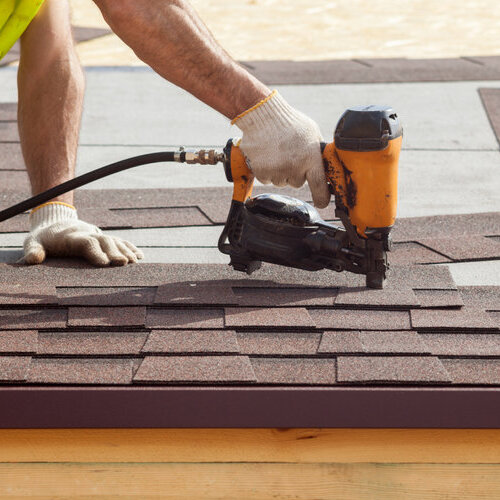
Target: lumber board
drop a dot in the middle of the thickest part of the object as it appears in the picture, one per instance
(251, 445)
(251, 481)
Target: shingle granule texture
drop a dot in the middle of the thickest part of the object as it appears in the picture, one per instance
(439, 298)
(292, 317)
(465, 318)
(294, 371)
(202, 369)
(15, 319)
(80, 371)
(14, 368)
(191, 341)
(279, 343)
(106, 296)
(337, 319)
(106, 316)
(18, 341)
(473, 371)
(185, 318)
(90, 343)
(391, 369)
(403, 297)
(195, 295)
(281, 297)
(463, 344)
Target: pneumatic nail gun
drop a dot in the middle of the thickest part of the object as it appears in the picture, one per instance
(361, 168)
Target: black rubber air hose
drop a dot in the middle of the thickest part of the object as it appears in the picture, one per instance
(81, 180)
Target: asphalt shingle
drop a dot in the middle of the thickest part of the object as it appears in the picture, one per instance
(291, 317)
(106, 316)
(185, 318)
(287, 371)
(191, 341)
(90, 343)
(200, 369)
(278, 343)
(14, 368)
(21, 319)
(391, 369)
(473, 371)
(465, 318)
(336, 319)
(80, 371)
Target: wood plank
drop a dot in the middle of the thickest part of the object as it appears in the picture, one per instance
(251, 445)
(251, 481)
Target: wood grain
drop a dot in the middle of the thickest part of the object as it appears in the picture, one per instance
(251, 445)
(251, 481)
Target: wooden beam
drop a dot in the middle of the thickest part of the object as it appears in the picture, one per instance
(251, 481)
(251, 445)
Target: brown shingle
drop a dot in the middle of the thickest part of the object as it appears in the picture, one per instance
(106, 316)
(473, 371)
(18, 341)
(201, 369)
(428, 277)
(195, 294)
(467, 344)
(472, 247)
(247, 296)
(337, 319)
(403, 297)
(404, 254)
(443, 226)
(90, 343)
(486, 297)
(391, 369)
(185, 318)
(191, 341)
(278, 343)
(294, 371)
(80, 371)
(439, 298)
(16, 319)
(397, 342)
(106, 296)
(23, 294)
(291, 317)
(445, 319)
(14, 368)
(341, 342)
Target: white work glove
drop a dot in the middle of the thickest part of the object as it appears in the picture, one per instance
(56, 231)
(282, 146)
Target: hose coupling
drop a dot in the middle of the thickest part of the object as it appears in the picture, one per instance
(201, 156)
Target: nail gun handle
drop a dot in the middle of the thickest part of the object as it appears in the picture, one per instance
(237, 172)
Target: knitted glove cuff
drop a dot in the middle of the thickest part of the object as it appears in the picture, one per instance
(50, 213)
(271, 112)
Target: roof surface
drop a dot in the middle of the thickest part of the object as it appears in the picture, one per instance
(200, 345)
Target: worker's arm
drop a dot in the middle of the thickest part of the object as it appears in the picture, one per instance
(281, 144)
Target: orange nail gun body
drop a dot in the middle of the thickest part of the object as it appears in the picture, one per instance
(361, 168)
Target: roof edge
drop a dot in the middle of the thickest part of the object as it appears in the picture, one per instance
(248, 407)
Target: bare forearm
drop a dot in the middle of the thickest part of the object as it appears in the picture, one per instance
(170, 37)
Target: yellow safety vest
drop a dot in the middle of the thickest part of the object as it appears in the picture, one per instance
(15, 16)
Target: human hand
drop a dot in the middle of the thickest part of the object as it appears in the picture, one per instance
(282, 146)
(56, 231)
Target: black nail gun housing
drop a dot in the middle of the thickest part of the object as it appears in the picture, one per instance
(290, 232)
